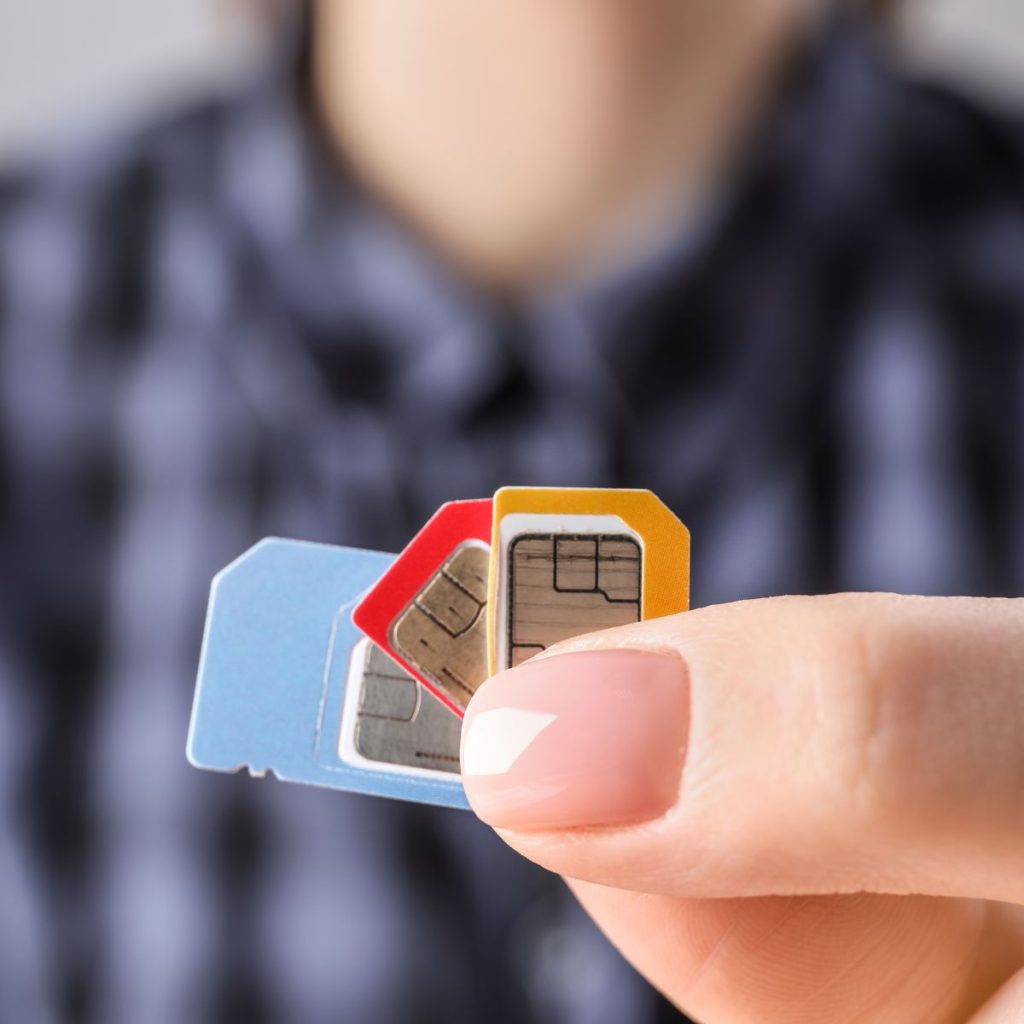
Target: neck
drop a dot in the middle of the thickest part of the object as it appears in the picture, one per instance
(521, 137)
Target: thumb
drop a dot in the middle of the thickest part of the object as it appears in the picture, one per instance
(789, 746)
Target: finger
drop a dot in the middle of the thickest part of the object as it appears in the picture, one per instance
(1006, 1006)
(801, 960)
(788, 746)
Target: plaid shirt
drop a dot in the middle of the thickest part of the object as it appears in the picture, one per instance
(209, 334)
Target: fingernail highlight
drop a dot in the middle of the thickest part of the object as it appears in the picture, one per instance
(499, 737)
(590, 738)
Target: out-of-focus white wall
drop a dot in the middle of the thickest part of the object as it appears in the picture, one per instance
(69, 64)
(976, 43)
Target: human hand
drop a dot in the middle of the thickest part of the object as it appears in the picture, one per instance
(782, 811)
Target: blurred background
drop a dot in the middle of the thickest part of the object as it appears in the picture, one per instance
(92, 62)
(215, 328)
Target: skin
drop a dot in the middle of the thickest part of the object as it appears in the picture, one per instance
(529, 140)
(849, 835)
(847, 844)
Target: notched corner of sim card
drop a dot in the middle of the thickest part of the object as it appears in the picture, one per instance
(262, 664)
(567, 561)
(428, 612)
(207, 745)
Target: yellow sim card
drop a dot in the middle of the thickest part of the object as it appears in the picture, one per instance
(571, 560)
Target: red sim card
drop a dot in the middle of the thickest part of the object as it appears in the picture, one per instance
(429, 610)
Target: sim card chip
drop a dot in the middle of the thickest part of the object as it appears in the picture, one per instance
(429, 610)
(391, 720)
(561, 585)
(569, 560)
(442, 632)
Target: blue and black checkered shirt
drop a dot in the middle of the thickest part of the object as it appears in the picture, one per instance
(209, 334)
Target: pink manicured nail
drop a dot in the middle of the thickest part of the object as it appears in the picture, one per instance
(590, 738)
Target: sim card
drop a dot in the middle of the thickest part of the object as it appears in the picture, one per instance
(351, 669)
(390, 722)
(288, 684)
(566, 561)
(429, 610)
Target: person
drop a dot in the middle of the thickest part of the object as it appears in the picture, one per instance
(720, 250)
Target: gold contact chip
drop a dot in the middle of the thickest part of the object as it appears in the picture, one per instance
(442, 631)
(561, 585)
(397, 722)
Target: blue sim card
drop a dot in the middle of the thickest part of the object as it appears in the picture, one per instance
(288, 685)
